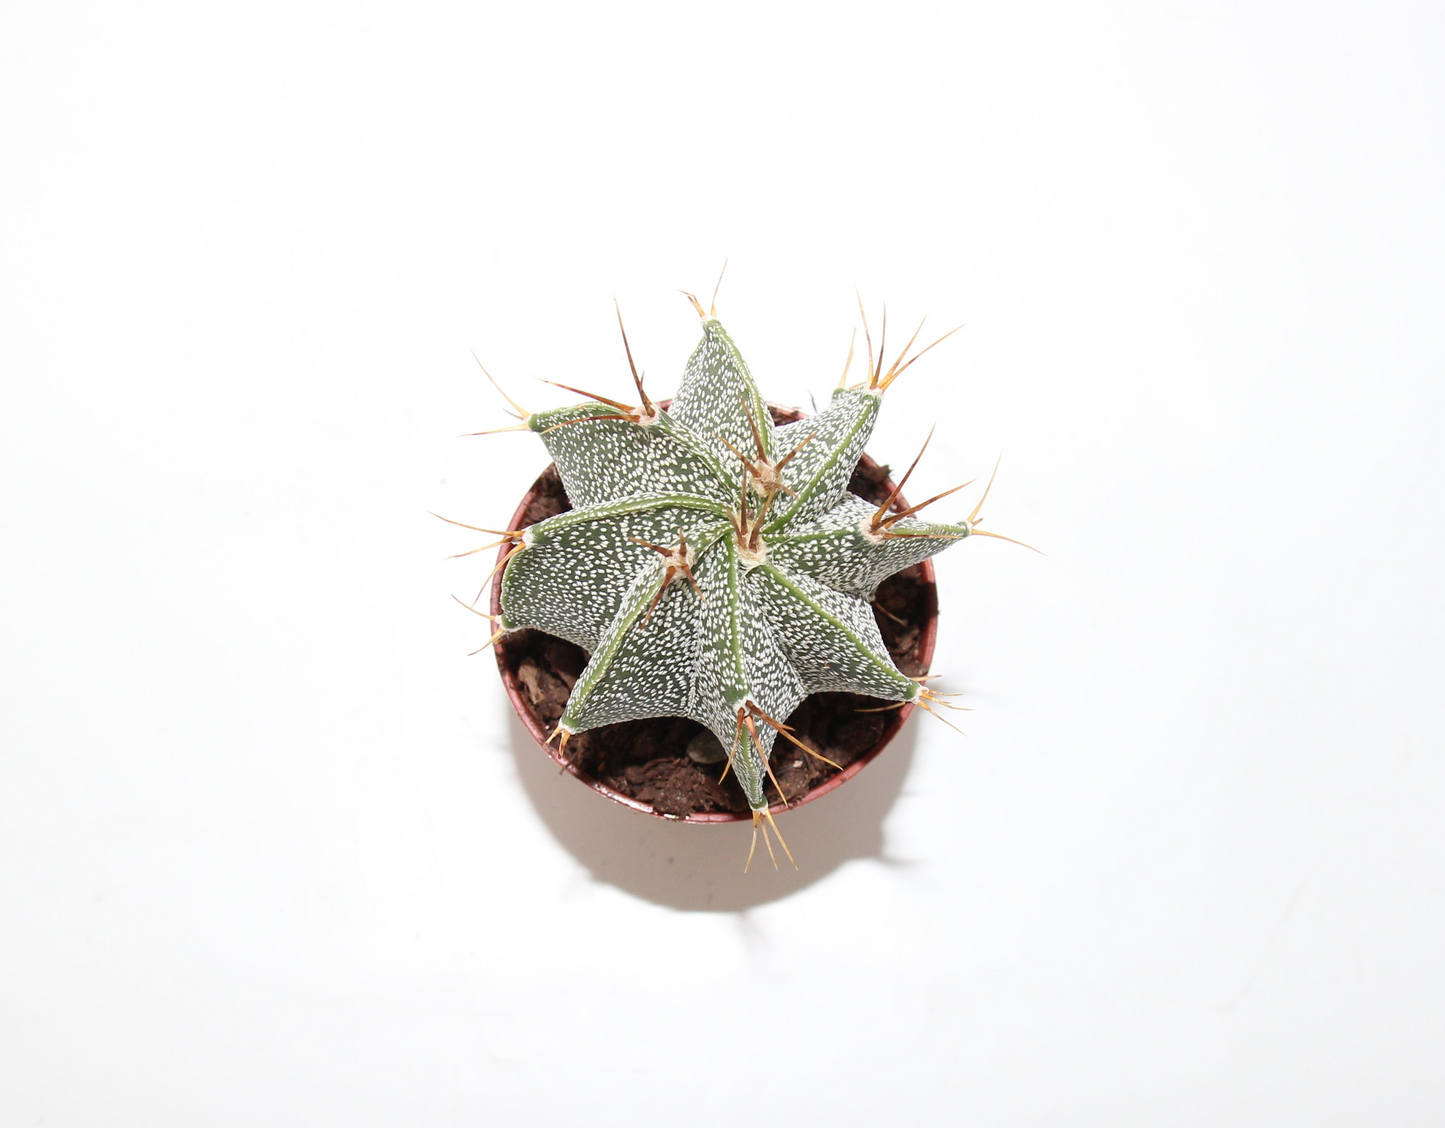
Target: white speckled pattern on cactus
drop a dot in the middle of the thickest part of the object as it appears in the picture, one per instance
(571, 578)
(602, 460)
(834, 550)
(832, 640)
(710, 401)
(820, 472)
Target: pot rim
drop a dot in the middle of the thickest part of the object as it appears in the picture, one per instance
(929, 637)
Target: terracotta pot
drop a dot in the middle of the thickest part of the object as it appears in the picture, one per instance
(509, 658)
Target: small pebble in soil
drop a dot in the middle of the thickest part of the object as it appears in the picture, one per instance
(705, 748)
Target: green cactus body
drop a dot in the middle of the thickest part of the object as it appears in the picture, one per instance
(714, 565)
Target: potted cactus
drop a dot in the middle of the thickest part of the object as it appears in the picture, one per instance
(713, 564)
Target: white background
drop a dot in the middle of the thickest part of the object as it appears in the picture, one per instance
(274, 851)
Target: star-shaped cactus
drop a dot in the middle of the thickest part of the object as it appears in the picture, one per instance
(714, 564)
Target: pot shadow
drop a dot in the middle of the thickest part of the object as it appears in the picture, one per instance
(699, 867)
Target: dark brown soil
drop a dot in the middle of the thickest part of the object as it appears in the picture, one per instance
(646, 760)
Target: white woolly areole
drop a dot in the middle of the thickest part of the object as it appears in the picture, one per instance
(750, 558)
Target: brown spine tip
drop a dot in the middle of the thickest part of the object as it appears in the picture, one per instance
(647, 407)
(713, 304)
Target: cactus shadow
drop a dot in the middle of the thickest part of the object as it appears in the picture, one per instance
(699, 867)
